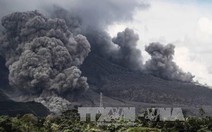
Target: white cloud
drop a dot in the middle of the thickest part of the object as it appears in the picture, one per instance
(190, 64)
(205, 25)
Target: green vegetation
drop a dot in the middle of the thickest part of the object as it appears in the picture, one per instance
(69, 122)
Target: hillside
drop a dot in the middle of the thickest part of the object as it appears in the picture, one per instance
(123, 87)
(12, 108)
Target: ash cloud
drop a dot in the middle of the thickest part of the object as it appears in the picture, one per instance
(92, 21)
(54, 103)
(94, 13)
(128, 55)
(99, 14)
(90, 18)
(42, 55)
(162, 65)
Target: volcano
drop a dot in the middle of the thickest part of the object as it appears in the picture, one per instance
(123, 87)
(45, 60)
(120, 87)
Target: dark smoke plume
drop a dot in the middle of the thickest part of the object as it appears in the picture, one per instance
(90, 18)
(92, 21)
(161, 63)
(120, 50)
(42, 54)
(128, 55)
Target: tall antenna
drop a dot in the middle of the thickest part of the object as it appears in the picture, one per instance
(100, 100)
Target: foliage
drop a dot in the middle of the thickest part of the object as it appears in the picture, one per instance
(69, 121)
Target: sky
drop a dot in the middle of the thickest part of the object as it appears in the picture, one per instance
(186, 24)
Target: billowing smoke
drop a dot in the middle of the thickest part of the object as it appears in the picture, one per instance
(128, 55)
(54, 103)
(91, 18)
(161, 63)
(97, 15)
(120, 51)
(42, 54)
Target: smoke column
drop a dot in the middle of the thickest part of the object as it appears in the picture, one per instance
(128, 55)
(42, 55)
(161, 63)
(92, 19)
